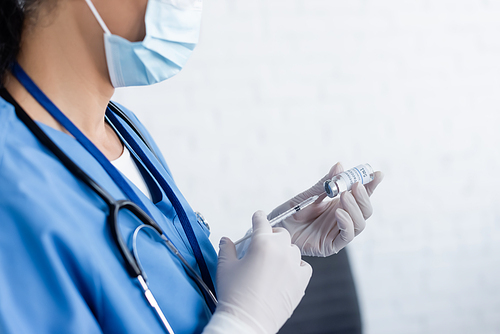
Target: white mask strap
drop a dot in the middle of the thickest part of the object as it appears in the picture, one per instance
(98, 17)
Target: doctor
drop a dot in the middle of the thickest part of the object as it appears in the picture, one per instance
(68, 156)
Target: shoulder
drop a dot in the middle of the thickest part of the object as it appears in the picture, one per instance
(36, 190)
(20, 152)
(30, 175)
(37, 195)
(19, 149)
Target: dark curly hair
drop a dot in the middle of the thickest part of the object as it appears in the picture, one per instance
(12, 19)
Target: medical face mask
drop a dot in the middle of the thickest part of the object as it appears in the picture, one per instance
(172, 31)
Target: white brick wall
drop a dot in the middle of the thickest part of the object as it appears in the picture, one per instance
(278, 91)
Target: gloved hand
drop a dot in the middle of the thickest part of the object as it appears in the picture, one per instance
(258, 292)
(325, 227)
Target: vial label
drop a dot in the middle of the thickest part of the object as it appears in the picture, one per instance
(359, 173)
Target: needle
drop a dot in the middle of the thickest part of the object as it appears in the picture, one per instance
(285, 215)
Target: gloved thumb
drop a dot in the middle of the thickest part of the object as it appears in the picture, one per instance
(260, 224)
(227, 250)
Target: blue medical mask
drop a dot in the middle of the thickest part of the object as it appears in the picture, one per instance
(172, 31)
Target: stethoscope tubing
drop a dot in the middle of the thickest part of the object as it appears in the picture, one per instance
(117, 177)
(132, 263)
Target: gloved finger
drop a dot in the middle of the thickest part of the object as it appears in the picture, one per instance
(304, 263)
(227, 250)
(377, 178)
(279, 229)
(350, 205)
(260, 224)
(296, 254)
(363, 200)
(306, 270)
(346, 227)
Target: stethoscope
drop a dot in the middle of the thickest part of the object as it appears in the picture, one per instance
(133, 205)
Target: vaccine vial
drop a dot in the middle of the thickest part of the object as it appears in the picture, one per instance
(345, 180)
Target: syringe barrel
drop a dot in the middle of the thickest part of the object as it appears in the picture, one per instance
(345, 180)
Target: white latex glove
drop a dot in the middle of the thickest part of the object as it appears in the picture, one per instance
(325, 227)
(258, 292)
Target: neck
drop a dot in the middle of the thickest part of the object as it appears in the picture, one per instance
(69, 66)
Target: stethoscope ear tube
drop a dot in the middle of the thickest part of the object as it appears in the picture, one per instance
(131, 124)
(210, 298)
(133, 268)
(130, 264)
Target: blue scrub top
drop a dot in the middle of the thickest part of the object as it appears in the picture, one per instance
(60, 270)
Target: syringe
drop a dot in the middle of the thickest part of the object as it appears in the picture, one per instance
(285, 215)
(334, 186)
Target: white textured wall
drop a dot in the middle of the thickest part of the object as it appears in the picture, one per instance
(278, 91)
